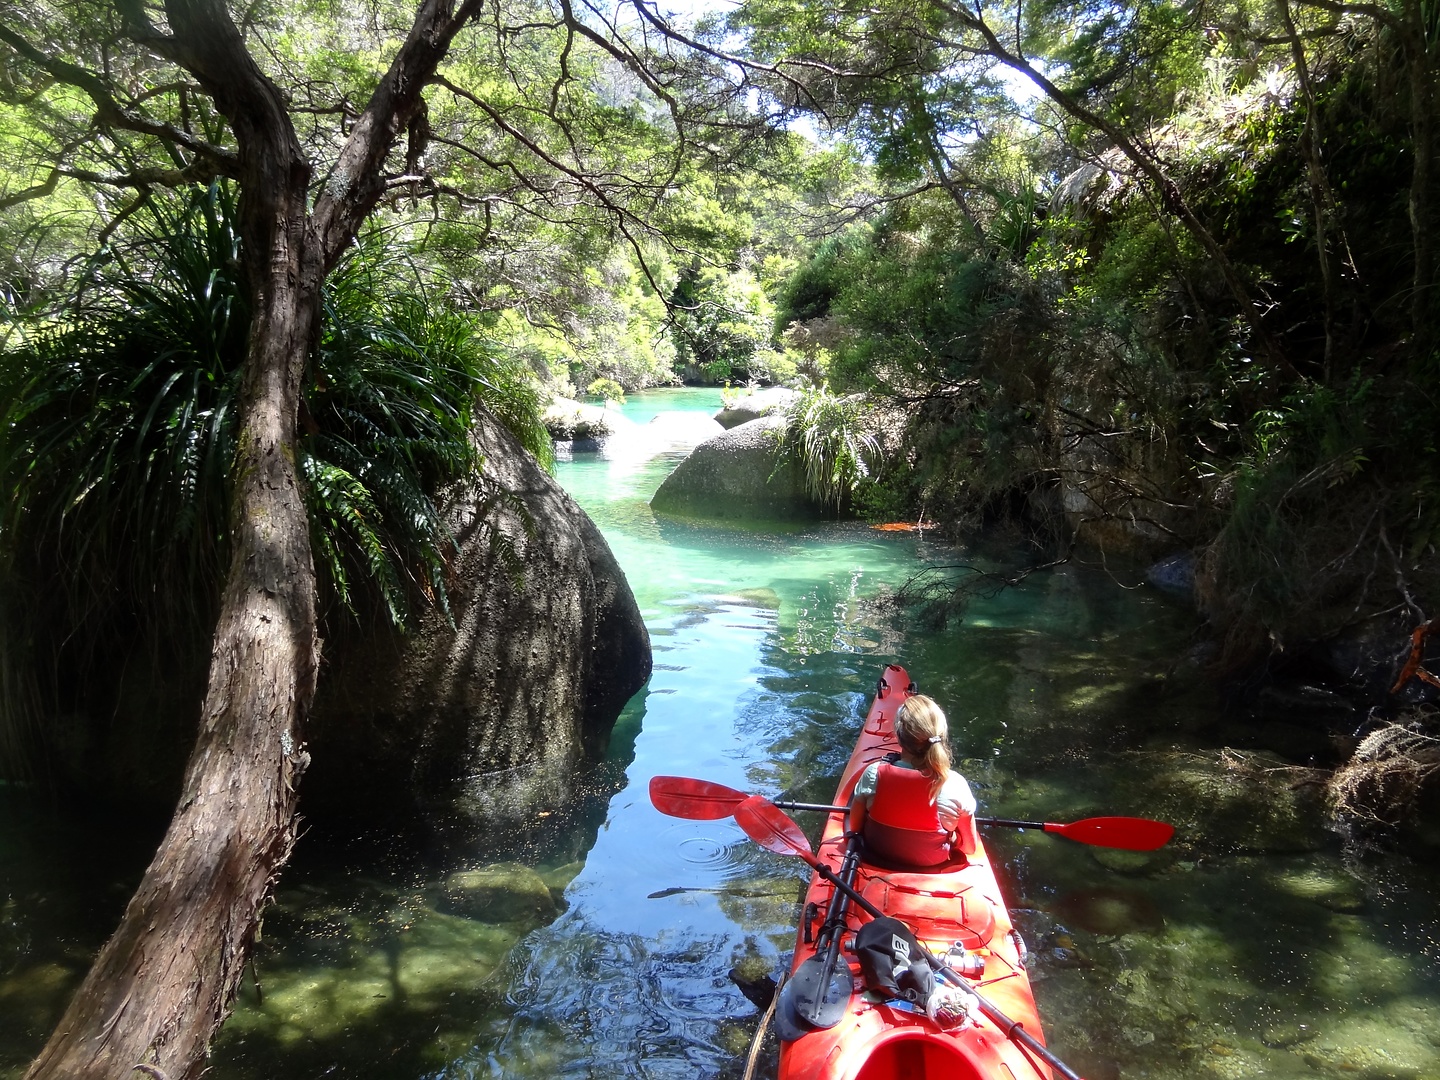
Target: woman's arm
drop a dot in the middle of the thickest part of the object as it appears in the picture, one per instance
(860, 800)
(857, 815)
(960, 802)
(967, 840)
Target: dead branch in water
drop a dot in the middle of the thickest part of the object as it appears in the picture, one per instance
(1390, 770)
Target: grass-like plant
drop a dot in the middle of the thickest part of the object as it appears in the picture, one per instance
(826, 433)
(117, 436)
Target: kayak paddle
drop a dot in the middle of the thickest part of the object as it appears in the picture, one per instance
(821, 986)
(769, 827)
(1129, 833)
(704, 800)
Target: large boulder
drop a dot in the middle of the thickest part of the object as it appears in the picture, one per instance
(740, 474)
(757, 403)
(487, 717)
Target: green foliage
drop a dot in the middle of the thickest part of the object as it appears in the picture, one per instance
(1134, 62)
(831, 439)
(118, 432)
(722, 326)
(613, 329)
(606, 390)
(118, 421)
(915, 296)
(812, 288)
(1330, 506)
(392, 395)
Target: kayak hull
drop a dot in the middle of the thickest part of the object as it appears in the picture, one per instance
(959, 903)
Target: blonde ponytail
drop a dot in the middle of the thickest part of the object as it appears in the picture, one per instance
(921, 729)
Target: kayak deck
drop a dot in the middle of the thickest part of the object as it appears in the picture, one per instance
(957, 903)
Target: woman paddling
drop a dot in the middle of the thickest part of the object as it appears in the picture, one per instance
(911, 809)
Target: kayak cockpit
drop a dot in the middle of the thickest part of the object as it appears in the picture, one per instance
(917, 1054)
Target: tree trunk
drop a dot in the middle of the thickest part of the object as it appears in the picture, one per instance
(165, 980)
(1322, 198)
(180, 947)
(167, 976)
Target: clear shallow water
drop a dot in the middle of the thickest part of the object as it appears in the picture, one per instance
(1253, 947)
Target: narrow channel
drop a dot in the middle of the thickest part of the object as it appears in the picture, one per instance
(605, 944)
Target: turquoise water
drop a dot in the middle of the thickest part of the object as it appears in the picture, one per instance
(1256, 945)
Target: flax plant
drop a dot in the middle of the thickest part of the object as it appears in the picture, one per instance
(117, 438)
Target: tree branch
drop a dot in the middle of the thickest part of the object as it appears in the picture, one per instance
(354, 184)
(110, 113)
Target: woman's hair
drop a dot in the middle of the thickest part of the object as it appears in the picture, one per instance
(921, 729)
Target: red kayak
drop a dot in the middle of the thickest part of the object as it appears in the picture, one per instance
(833, 1028)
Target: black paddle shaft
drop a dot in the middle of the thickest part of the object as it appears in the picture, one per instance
(817, 1008)
(832, 929)
(1012, 1029)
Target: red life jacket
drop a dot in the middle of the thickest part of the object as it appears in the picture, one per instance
(903, 824)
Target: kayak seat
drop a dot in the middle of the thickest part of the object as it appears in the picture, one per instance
(916, 1055)
(870, 857)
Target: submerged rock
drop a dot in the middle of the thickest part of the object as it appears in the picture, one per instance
(1174, 574)
(1234, 801)
(1329, 888)
(503, 892)
(1110, 910)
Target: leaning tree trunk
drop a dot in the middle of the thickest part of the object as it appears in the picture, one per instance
(167, 976)
(184, 936)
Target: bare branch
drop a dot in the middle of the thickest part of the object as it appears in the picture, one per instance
(38, 191)
(622, 216)
(140, 179)
(141, 198)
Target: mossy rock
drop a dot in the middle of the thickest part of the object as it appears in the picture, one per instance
(740, 474)
(501, 893)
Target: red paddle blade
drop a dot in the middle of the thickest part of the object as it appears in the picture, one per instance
(699, 800)
(772, 829)
(1127, 833)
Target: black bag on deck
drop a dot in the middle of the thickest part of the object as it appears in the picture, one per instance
(891, 961)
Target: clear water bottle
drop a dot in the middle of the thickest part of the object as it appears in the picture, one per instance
(964, 962)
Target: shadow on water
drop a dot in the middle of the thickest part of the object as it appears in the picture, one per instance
(65, 876)
(387, 954)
